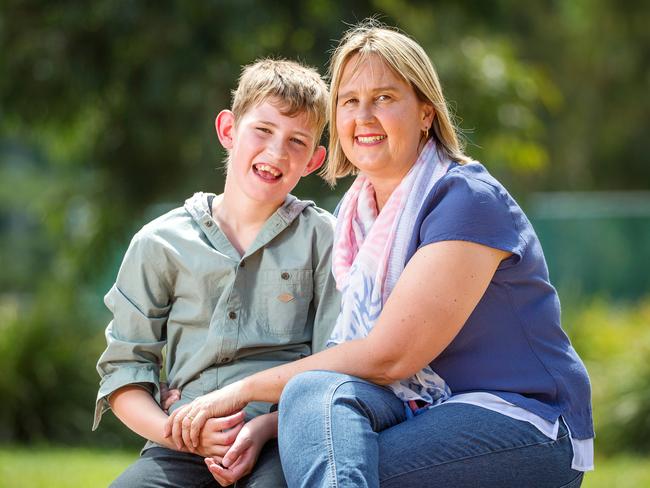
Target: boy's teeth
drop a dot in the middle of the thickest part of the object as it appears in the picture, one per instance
(369, 139)
(268, 169)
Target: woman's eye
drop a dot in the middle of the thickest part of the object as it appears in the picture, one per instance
(350, 101)
(383, 98)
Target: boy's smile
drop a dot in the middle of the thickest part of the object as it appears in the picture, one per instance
(267, 172)
(268, 152)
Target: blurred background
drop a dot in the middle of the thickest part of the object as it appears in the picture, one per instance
(106, 121)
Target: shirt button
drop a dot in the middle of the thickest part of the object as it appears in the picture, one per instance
(242, 264)
(225, 360)
(208, 224)
(232, 315)
(284, 276)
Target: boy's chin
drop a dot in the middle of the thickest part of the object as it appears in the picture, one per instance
(267, 198)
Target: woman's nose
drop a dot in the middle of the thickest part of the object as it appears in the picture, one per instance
(364, 114)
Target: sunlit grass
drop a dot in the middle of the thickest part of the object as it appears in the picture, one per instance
(619, 472)
(60, 467)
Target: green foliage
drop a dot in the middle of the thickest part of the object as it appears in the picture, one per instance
(49, 384)
(614, 342)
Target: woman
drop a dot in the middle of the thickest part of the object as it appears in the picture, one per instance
(441, 274)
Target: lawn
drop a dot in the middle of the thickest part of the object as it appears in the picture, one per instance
(59, 467)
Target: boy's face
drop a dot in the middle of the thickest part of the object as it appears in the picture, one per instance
(268, 151)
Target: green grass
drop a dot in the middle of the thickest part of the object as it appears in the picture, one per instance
(619, 472)
(60, 467)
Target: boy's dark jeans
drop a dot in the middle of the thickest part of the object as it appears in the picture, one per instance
(159, 467)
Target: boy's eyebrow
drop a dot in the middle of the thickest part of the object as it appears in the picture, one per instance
(273, 124)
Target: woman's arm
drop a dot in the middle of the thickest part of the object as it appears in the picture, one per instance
(434, 296)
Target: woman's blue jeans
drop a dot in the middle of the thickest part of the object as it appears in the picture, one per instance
(340, 431)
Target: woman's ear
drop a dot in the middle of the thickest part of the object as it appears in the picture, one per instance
(225, 127)
(428, 114)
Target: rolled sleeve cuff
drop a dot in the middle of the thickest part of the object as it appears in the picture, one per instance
(142, 376)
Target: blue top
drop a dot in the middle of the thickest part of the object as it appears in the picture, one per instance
(512, 345)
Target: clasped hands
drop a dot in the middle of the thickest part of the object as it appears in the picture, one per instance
(229, 445)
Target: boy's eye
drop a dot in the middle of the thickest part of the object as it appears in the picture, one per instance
(298, 141)
(264, 129)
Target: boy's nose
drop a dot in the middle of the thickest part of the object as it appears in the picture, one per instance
(277, 151)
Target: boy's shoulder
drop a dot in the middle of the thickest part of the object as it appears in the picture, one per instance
(173, 225)
(319, 216)
(309, 215)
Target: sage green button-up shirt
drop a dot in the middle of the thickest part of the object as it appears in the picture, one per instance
(184, 289)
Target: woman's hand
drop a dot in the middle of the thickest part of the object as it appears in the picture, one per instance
(185, 423)
(243, 454)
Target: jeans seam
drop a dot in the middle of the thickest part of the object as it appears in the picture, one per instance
(534, 444)
(331, 463)
(328, 429)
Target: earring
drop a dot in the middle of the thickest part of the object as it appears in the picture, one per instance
(425, 133)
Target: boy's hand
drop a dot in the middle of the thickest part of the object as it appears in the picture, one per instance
(218, 435)
(185, 423)
(242, 455)
(168, 397)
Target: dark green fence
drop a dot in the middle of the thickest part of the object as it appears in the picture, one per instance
(596, 242)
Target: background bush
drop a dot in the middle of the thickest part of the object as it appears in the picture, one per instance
(614, 342)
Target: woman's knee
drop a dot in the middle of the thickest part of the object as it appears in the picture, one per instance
(309, 387)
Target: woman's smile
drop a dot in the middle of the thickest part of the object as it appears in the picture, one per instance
(370, 140)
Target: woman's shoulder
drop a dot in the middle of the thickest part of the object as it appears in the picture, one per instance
(469, 187)
(471, 177)
(469, 204)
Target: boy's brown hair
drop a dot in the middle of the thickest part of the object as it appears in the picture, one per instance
(295, 87)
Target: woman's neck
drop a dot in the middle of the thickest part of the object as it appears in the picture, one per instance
(384, 188)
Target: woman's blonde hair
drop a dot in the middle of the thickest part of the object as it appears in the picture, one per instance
(406, 59)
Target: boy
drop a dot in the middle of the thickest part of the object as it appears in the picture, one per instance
(229, 284)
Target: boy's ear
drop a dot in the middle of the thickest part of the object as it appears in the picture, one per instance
(316, 161)
(225, 126)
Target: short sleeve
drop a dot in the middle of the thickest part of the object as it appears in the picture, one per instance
(464, 207)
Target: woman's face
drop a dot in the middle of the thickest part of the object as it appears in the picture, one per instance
(379, 119)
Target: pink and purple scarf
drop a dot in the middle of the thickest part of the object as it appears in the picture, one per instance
(369, 256)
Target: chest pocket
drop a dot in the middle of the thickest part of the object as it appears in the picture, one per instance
(287, 296)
